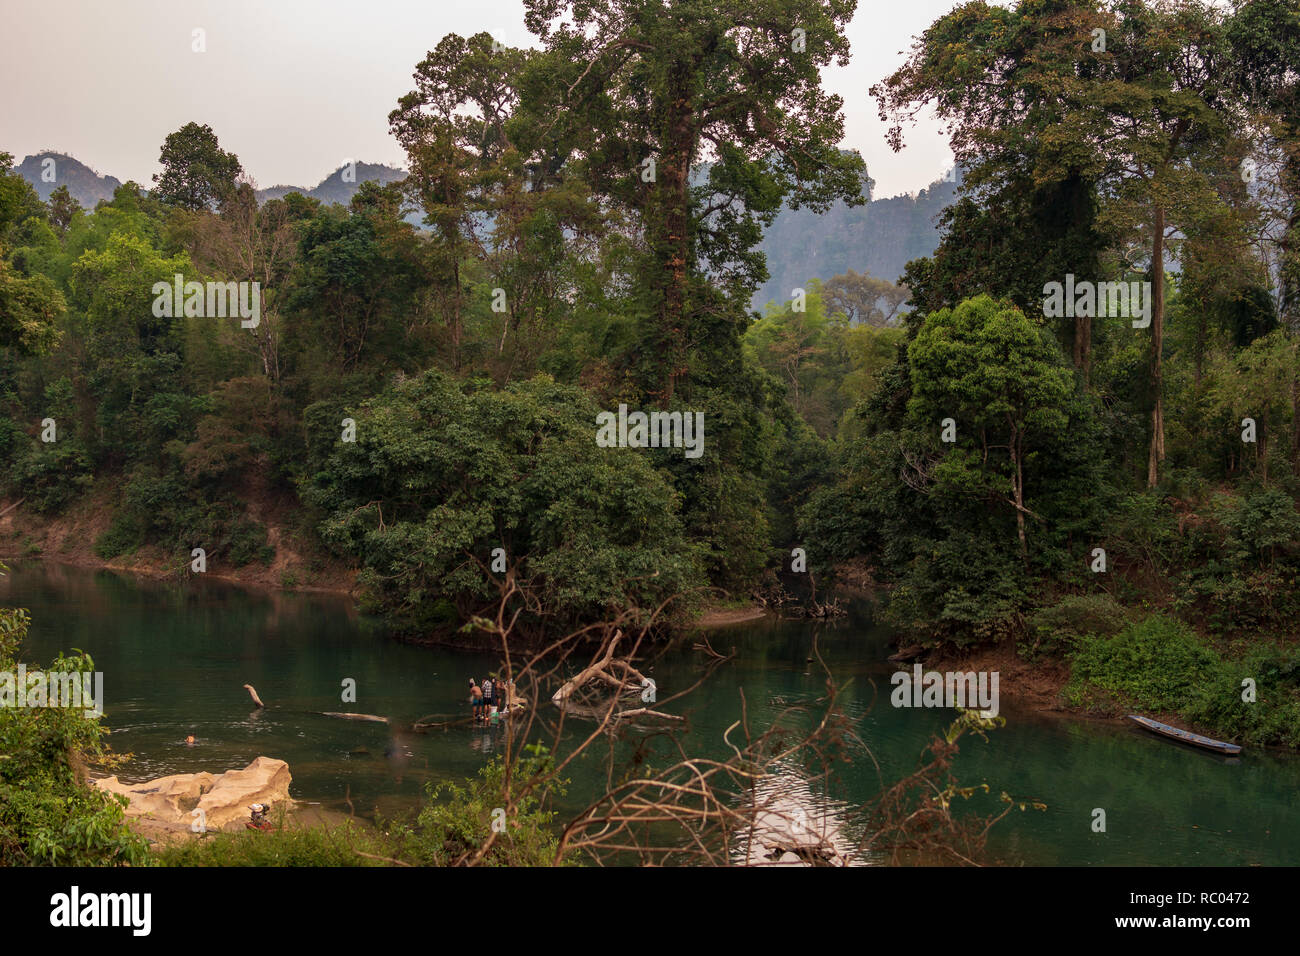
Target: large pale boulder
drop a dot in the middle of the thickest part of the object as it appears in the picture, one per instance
(265, 780)
(223, 797)
(166, 798)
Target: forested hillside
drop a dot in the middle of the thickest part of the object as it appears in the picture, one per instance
(881, 238)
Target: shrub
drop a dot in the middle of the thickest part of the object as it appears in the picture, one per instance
(1057, 628)
(1156, 663)
(48, 815)
(52, 476)
(1159, 664)
(457, 821)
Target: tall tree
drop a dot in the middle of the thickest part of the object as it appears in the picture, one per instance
(862, 298)
(1137, 97)
(245, 243)
(1255, 384)
(62, 208)
(645, 92)
(1000, 377)
(29, 305)
(491, 186)
(197, 172)
(1265, 38)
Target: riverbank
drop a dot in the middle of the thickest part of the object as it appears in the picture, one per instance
(69, 538)
(1044, 687)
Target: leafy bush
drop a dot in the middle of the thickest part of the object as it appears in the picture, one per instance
(161, 507)
(1243, 567)
(1262, 527)
(48, 814)
(1160, 664)
(1155, 663)
(54, 474)
(1273, 717)
(457, 821)
(1058, 627)
(438, 477)
(1144, 530)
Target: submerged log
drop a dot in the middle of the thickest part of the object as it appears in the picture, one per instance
(598, 712)
(370, 717)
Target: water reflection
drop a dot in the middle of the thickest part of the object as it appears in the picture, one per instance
(793, 824)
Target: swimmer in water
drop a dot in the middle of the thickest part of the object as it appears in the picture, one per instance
(189, 741)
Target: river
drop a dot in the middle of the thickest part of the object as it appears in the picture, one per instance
(175, 656)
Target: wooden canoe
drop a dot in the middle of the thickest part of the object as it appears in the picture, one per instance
(1185, 736)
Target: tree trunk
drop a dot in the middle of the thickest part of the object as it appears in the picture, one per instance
(1018, 491)
(1261, 450)
(1157, 450)
(672, 245)
(455, 316)
(1083, 347)
(1295, 422)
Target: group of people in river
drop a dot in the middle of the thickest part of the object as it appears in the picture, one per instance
(491, 699)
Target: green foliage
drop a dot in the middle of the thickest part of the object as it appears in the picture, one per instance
(48, 815)
(1273, 718)
(440, 475)
(1057, 628)
(54, 474)
(1242, 569)
(458, 820)
(826, 363)
(946, 533)
(341, 845)
(159, 507)
(197, 172)
(1156, 663)
(455, 822)
(1144, 531)
(621, 81)
(28, 309)
(1159, 664)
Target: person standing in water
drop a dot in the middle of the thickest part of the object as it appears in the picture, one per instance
(475, 699)
(488, 698)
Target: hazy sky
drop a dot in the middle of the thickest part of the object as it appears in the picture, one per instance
(296, 87)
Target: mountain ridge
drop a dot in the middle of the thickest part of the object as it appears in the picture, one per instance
(879, 237)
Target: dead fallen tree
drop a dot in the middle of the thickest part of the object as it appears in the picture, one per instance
(606, 686)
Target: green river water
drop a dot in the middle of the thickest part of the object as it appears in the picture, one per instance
(175, 656)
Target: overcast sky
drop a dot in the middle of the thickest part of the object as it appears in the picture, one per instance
(296, 87)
